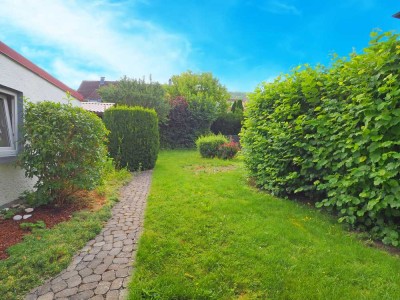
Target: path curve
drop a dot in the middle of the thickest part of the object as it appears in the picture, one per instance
(101, 270)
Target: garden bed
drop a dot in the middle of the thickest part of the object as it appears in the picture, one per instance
(11, 233)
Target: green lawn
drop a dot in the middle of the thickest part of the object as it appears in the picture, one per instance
(208, 235)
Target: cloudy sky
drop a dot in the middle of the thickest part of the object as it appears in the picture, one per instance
(242, 42)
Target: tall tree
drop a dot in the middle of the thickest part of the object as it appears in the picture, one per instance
(136, 92)
(199, 87)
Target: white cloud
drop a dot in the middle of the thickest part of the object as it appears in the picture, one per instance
(99, 34)
(280, 7)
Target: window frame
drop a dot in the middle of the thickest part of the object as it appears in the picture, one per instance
(12, 122)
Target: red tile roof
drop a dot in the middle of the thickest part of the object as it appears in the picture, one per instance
(88, 89)
(7, 51)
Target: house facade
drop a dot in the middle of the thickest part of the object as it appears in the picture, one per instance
(19, 79)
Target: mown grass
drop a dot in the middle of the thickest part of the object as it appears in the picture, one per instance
(209, 235)
(46, 252)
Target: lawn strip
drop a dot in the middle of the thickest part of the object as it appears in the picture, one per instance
(208, 235)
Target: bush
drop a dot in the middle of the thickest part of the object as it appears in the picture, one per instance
(187, 121)
(64, 149)
(333, 135)
(228, 150)
(178, 131)
(209, 145)
(228, 123)
(134, 136)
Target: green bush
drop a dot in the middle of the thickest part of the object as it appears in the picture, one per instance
(334, 135)
(134, 136)
(208, 145)
(64, 149)
(228, 123)
(228, 150)
(178, 131)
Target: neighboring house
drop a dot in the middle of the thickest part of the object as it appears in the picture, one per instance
(20, 78)
(88, 89)
(97, 107)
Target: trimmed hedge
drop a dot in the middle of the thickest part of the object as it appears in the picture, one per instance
(64, 149)
(334, 135)
(209, 145)
(134, 137)
(228, 123)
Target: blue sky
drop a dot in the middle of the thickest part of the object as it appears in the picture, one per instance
(241, 42)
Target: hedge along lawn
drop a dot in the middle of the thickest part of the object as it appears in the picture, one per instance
(209, 235)
(46, 252)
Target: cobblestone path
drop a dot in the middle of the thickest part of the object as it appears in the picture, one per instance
(101, 270)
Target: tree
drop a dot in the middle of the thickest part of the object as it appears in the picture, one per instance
(136, 92)
(200, 88)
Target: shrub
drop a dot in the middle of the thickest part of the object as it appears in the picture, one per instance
(333, 134)
(64, 149)
(187, 121)
(228, 123)
(178, 131)
(209, 145)
(228, 150)
(134, 136)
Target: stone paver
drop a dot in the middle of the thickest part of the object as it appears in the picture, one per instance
(102, 268)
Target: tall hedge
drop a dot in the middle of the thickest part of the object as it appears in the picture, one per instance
(334, 135)
(64, 149)
(134, 136)
(229, 123)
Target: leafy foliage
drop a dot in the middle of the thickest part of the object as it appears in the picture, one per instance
(229, 123)
(30, 226)
(209, 145)
(237, 105)
(186, 122)
(134, 138)
(179, 131)
(136, 92)
(228, 150)
(64, 148)
(202, 88)
(334, 135)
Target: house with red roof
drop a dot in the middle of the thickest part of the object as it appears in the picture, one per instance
(88, 89)
(19, 79)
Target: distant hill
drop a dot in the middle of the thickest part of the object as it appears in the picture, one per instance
(238, 96)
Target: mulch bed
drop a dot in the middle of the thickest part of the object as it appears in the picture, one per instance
(11, 233)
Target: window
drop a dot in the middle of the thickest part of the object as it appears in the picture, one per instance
(8, 123)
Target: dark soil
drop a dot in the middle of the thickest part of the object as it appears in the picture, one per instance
(11, 233)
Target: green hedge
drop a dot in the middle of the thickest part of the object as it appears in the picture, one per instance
(64, 149)
(209, 145)
(134, 137)
(334, 135)
(228, 123)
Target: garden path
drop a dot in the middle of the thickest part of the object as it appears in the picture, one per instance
(101, 270)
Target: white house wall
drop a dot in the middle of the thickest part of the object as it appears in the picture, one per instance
(17, 77)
